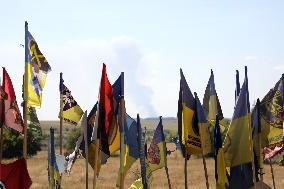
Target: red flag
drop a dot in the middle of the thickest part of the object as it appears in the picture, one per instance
(105, 113)
(3, 96)
(13, 118)
(15, 175)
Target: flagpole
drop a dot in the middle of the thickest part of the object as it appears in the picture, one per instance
(185, 169)
(25, 110)
(122, 145)
(272, 173)
(205, 171)
(168, 177)
(61, 118)
(86, 152)
(96, 162)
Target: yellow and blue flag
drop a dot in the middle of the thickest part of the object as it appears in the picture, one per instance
(188, 131)
(157, 152)
(203, 127)
(130, 142)
(238, 140)
(221, 175)
(37, 69)
(241, 175)
(212, 107)
(71, 111)
(53, 172)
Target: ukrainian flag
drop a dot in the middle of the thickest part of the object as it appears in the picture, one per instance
(130, 142)
(203, 127)
(187, 130)
(71, 111)
(220, 166)
(53, 172)
(238, 140)
(157, 152)
(36, 71)
(212, 106)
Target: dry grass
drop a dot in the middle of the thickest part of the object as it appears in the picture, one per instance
(37, 168)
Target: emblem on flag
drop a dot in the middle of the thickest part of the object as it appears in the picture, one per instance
(2, 186)
(154, 153)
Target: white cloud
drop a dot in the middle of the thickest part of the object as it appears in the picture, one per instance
(250, 58)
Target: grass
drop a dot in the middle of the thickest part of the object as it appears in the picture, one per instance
(107, 179)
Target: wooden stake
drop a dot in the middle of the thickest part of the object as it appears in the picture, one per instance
(272, 173)
(122, 145)
(86, 151)
(185, 170)
(205, 171)
(96, 162)
(25, 110)
(168, 177)
(61, 120)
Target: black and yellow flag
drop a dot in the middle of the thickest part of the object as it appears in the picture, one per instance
(188, 131)
(71, 111)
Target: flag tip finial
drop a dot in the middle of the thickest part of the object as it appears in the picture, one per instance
(211, 71)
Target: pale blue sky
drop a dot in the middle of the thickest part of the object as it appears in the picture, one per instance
(149, 41)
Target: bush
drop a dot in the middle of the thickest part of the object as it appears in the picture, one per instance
(72, 137)
(13, 141)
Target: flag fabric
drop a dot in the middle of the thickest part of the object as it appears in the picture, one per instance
(188, 131)
(241, 175)
(272, 119)
(13, 118)
(37, 69)
(71, 111)
(15, 175)
(157, 152)
(238, 140)
(212, 107)
(53, 171)
(3, 96)
(203, 127)
(211, 103)
(131, 153)
(105, 118)
(220, 165)
(137, 184)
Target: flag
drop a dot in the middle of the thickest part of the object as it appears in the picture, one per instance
(203, 127)
(220, 166)
(71, 111)
(238, 141)
(211, 103)
(53, 172)
(137, 184)
(157, 151)
(105, 118)
(3, 96)
(131, 152)
(212, 107)
(271, 120)
(37, 69)
(13, 118)
(15, 175)
(188, 131)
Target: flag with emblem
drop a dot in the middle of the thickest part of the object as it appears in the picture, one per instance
(71, 111)
(12, 116)
(272, 119)
(36, 71)
(157, 151)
